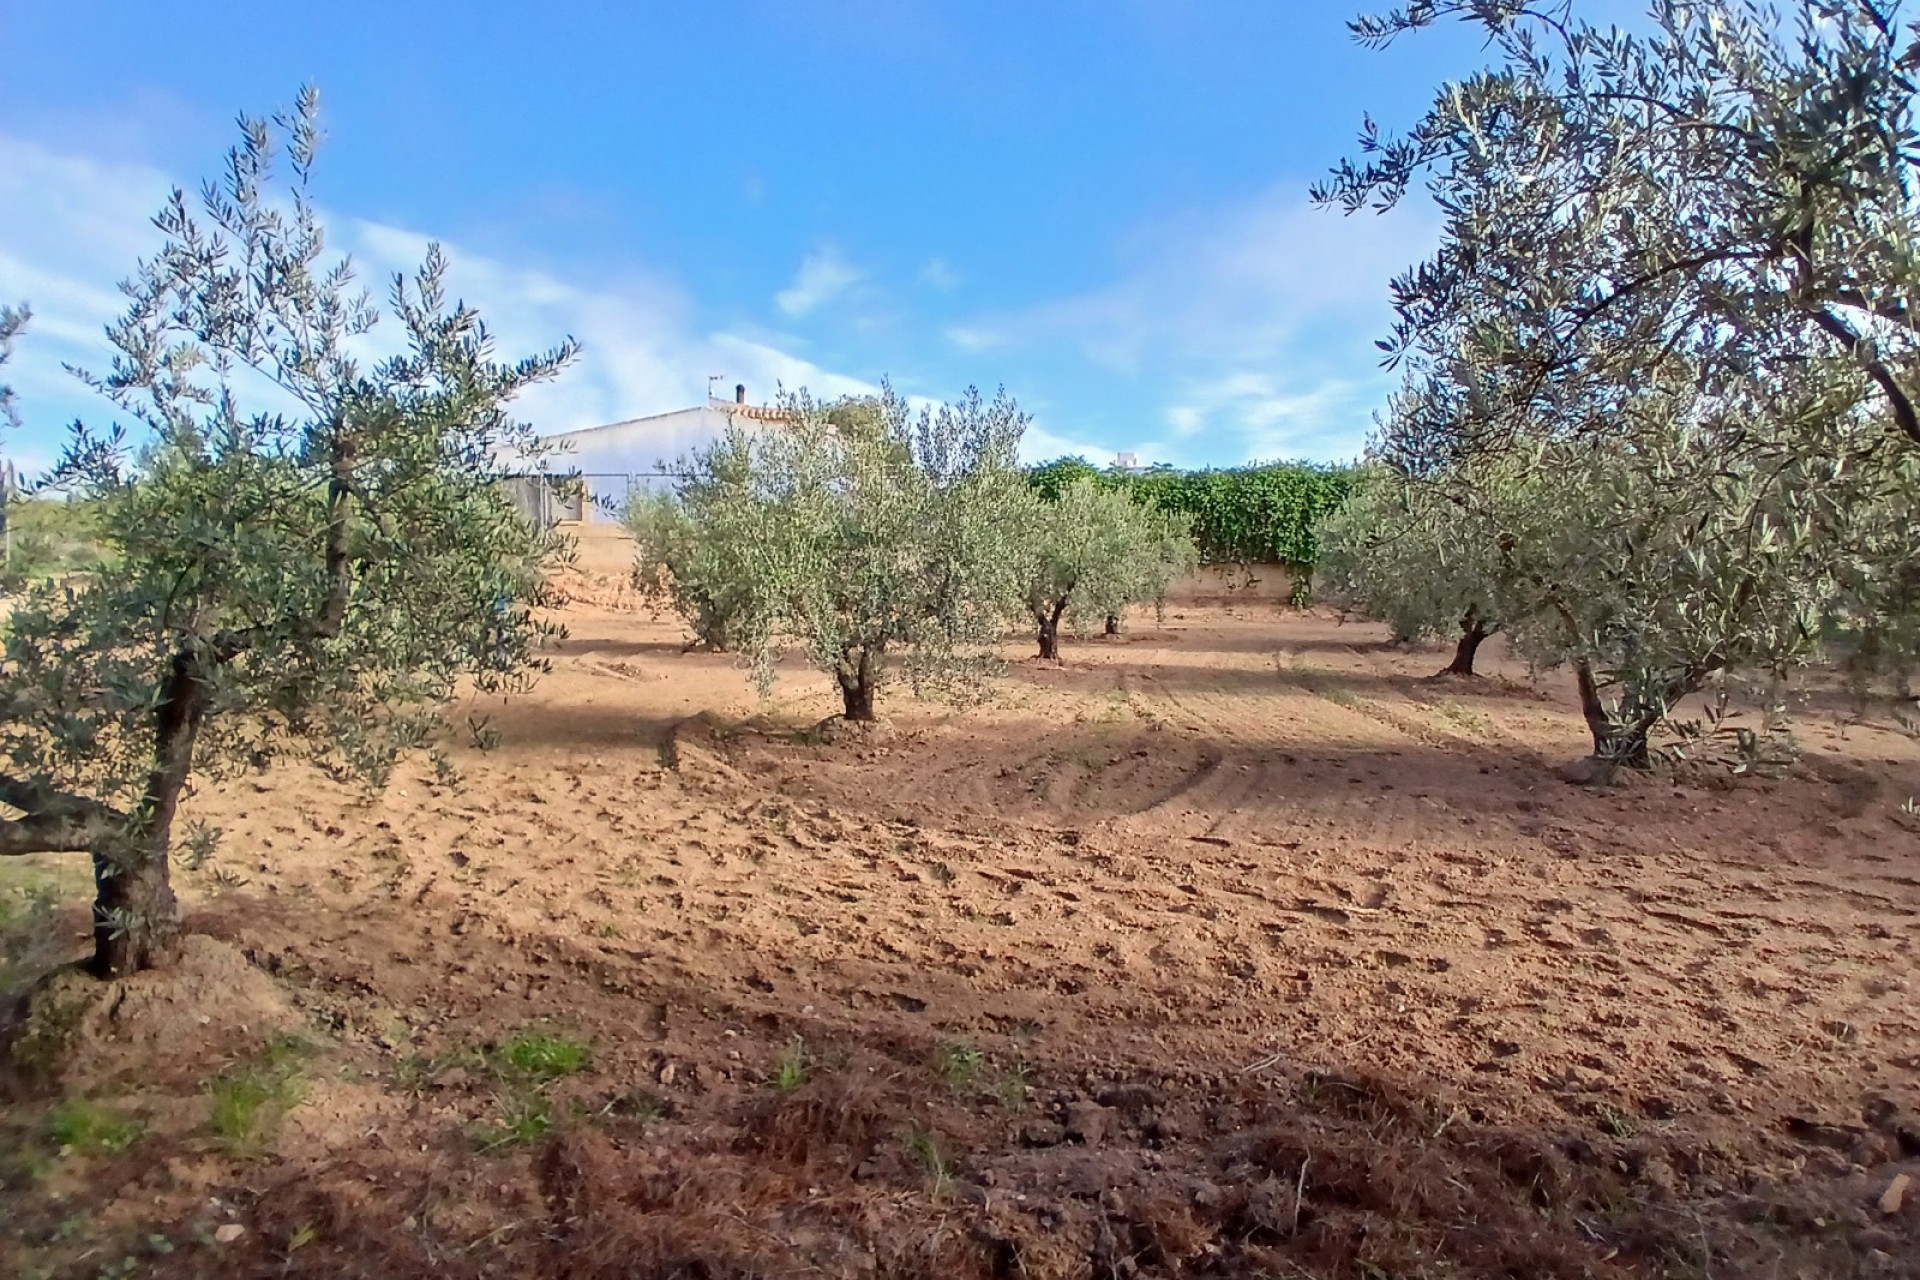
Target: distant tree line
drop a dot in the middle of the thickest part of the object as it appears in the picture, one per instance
(1265, 513)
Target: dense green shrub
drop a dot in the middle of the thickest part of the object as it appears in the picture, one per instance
(1265, 514)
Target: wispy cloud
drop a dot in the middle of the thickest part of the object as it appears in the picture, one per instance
(71, 226)
(823, 276)
(940, 275)
(1244, 330)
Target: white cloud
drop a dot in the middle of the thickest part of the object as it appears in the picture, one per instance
(823, 276)
(940, 275)
(70, 227)
(1249, 325)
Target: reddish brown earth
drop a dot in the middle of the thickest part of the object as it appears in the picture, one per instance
(1235, 947)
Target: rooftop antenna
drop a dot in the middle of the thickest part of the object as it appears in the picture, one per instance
(711, 379)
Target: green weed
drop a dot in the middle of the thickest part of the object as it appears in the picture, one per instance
(247, 1102)
(522, 1118)
(84, 1127)
(1614, 1123)
(925, 1151)
(960, 1066)
(790, 1072)
(540, 1058)
(1011, 1088)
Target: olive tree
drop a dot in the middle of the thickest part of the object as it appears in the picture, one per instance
(1420, 559)
(314, 573)
(1674, 280)
(677, 563)
(1092, 551)
(1731, 185)
(1650, 564)
(869, 535)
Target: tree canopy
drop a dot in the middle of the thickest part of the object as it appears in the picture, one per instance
(1660, 369)
(1090, 552)
(870, 535)
(306, 549)
(1267, 513)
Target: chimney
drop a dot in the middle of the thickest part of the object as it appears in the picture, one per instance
(740, 393)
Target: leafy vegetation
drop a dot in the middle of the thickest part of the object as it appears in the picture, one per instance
(859, 530)
(48, 538)
(522, 1117)
(316, 574)
(699, 577)
(246, 1102)
(1657, 404)
(83, 1126)
(540, 1057)
(790, 1072)
(1090, 552)
(1266, 514)
(1395, 551)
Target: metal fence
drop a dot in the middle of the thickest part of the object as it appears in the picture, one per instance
(589, 497)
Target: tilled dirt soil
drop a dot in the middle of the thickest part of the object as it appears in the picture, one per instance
(1236, 946)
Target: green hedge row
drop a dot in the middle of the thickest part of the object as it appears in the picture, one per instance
(1241, 515)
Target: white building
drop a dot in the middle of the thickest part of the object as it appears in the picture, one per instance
(617, 458)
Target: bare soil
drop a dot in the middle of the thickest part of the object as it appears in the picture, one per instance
(1235, 946)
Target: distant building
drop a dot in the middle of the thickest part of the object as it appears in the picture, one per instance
(612, 461)
(1127, 461)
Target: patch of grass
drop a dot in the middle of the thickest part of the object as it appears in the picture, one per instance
(1011, 1088)
(521, 1118)
(925, 1151)
(85, 1127)
(1614, 1123)
(790, 1072)
(960, 1066)
(31, 941)
(1464, 716)
(247, 1102)
(540, 1058)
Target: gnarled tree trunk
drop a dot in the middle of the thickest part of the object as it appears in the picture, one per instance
(1473, 632)
(1619, 742)
(857, 676)
(1049, 620)
(136, 918)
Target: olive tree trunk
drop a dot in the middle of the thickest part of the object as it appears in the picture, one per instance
(1473, 632)
(136, 918)
(1618, 740)
(858, 676)
(1049, 620)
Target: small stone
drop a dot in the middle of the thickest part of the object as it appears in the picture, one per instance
(667, 1073)
(1042, 1133)
(229, 1232)
(1895, 1195)
(1088, 1122)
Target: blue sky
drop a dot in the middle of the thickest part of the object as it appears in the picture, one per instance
(1101, 205)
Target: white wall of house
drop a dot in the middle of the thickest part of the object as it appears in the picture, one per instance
(639, 444)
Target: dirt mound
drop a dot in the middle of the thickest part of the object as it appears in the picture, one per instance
(78, 1032)
(697, 751)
